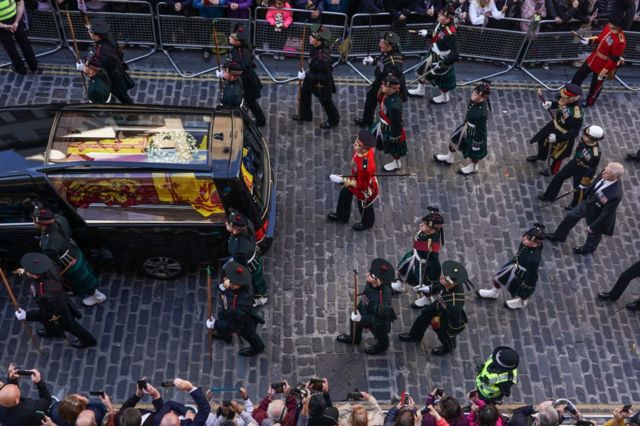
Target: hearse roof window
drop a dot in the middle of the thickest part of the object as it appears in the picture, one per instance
(137, 137)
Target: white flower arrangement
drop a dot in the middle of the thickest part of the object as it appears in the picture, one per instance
(172, 147)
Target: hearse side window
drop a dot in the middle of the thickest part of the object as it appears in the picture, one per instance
(252, 166)
(171, 138)
(16, 204)
(141, 197)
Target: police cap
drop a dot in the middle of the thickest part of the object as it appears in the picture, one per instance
(237, 274)
(35, 263)
(505, 358)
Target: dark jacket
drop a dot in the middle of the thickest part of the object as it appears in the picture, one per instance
(24, 414)
(252, 84)
(131, 403)
(94, 405)
(601, 209)
(201, 416)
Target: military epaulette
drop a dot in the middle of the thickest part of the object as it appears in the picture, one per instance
(595, 151)
(450, 29)
(622, 38)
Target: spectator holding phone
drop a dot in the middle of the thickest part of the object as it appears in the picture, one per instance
(619, 416)
(542, 414)
(447, 408)
(175, 414)
(272, 410)
(362, 410)
(67, 411)
(17, 410)
(480, 11)
(129, 415)
(483, 414)
(402, 414)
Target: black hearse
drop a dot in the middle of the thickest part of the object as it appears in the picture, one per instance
(144, 183)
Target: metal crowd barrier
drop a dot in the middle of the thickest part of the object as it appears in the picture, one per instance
(131, 28)
(288, 41)
(194, 32)
(43, 29)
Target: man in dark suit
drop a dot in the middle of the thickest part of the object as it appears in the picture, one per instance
(621, 285)
(598, 208)
(169, 413)
(129, 415)
(17, 410)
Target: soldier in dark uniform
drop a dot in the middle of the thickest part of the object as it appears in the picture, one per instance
(374, 310)
(389, 128)
(446, 314)
(390, 61)
(471, 136)
(520, 274)
(421, 266)
(557, 137)
(581, 169)
(56, 312)
(106, 56)
(444, 54)
(243, 249)
(56, 241)
(237, 314)
(99, 87)
(319, 80)
(233, 89)
(242, 54)
(362, 183)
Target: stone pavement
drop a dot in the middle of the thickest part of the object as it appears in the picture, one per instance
(570, 344)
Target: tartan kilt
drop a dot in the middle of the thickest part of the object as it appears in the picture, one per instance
(395, 149)
(81, 276)
(257, 277)
(446, 81)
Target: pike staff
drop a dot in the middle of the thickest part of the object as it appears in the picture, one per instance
(14, 302)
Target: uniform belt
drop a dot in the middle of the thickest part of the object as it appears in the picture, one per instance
(603, 56)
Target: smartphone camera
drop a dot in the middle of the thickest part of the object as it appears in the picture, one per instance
(354, 396)
(142, 384)
(97, 393)
(316, 384)
(278, 387)
(24, 372)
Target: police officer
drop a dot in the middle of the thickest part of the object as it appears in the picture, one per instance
(233, 89)
(421, 266)
(11, 31)
(237, 314)
(243, 249)
(557, 137)
(56, 241)
(581, 169)
(389, 128)
(106, 56)
(55, 311)
(390, 61)
(362, 183)
(242, 54)
(446, 314)
(498, 374)
(520, 274)
(471, 136)
(444, 54)
(319, 80)
(374, 310)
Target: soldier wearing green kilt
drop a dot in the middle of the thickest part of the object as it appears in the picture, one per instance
(439, 67)
(56, 242)
(374, 310)
(389, 129)
(471, 136)
(446, 314)
(242, 54)
(520, 274)
(99, 87)
(421, 266)
(243, 249)
(556, 139)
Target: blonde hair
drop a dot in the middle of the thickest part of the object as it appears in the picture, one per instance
(358, 416)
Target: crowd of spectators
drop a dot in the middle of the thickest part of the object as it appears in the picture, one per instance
(305, 404)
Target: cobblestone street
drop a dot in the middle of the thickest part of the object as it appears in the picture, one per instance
(571, 345)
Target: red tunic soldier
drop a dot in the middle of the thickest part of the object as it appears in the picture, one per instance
(362, 183)
(603, 61)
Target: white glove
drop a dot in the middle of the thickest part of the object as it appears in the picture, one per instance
(423, 33)
(552, 138)
(221, 287)
(584, 40)
(367, 61)
(211, 322)
(301, 75)
(436, 66)
(21, 314)
(355, 316)
(19, 271)
(423, 289)
(79, 66)
(546, 105)
(583, 187)
(335, 178)
(219, 73)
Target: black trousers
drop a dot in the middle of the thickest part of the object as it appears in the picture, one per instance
(256, 110)
(370, 103)
(246, 329)
(344, 208)
(571, 219)
(572, 171)
(594, 88)
(382, 338)
(624, 279)
(423, 321)
(324, 96)
(63, 324)
(9, 40)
